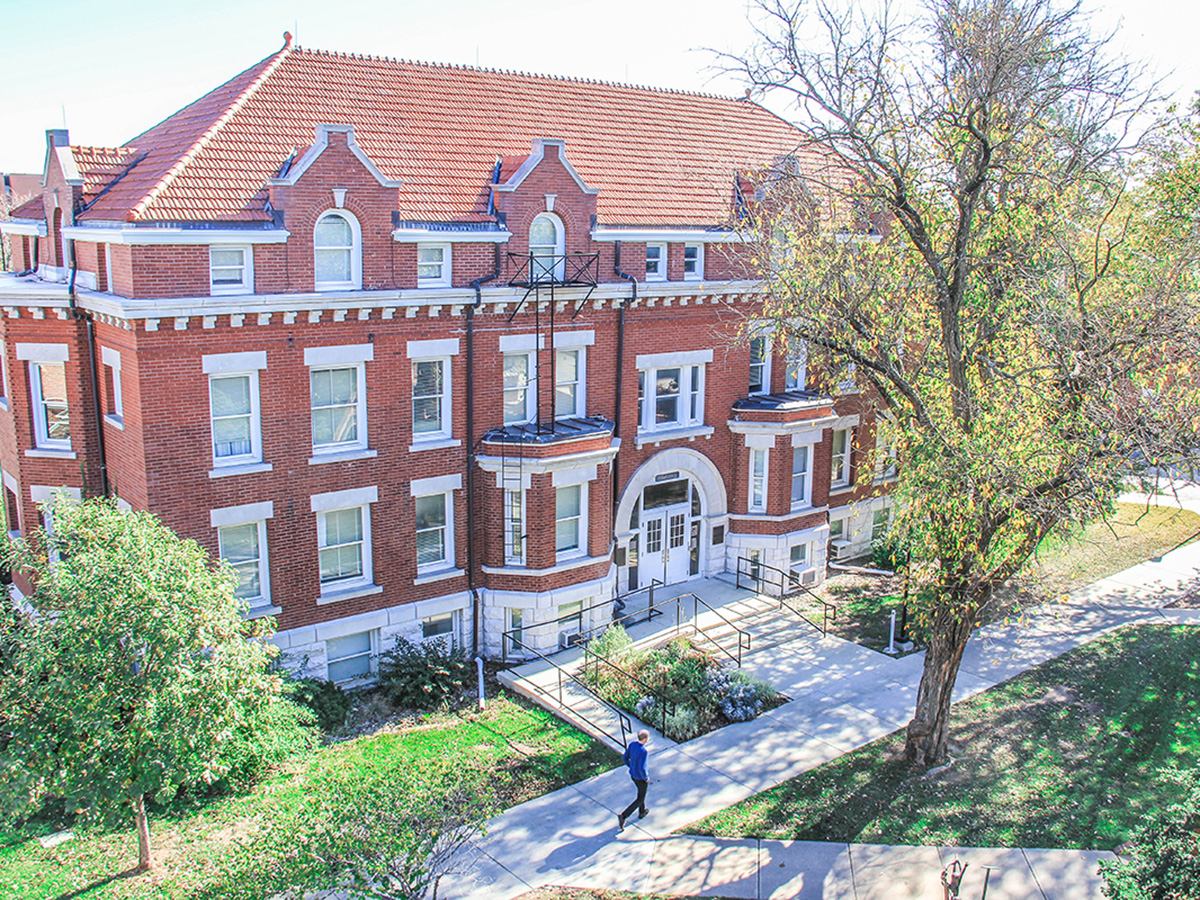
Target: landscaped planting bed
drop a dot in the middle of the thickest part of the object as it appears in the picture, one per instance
(1070, 754)
(680, 687)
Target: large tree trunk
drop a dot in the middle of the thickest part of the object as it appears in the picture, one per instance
(925, 743)
(145, 860)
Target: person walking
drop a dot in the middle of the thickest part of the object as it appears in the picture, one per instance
(635, 758)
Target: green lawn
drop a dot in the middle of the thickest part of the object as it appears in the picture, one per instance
(1133, 535)
(1064, 755)
(211, 847)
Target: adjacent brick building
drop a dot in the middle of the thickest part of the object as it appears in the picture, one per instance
(425, 349)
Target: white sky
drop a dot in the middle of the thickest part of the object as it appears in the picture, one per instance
(118, 66)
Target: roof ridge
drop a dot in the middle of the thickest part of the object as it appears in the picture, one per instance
(171, 174)
(574, 79)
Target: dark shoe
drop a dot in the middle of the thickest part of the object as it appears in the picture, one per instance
(643, 813)
(620, 824)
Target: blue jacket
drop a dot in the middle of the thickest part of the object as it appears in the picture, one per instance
(635, 758)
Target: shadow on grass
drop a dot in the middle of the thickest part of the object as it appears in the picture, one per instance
(96, 885)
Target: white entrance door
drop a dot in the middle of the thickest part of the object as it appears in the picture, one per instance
(666, 554)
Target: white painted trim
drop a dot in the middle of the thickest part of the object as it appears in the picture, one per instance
(566, 566)
(567, 477)
(674, 358)
(11, 483)
(542, 465)
(111, 357)
(798, 426)
(49, 353)
(433, 349)
(222, 363)
(569, 340)
(439, 484)
(761, 517)
(698, 275)
(338, 354)
(41, 493)
(349, 593)
(51, 453)
(246, 285)
(536, 155)
(27, 227)
(679, 433)
(842, 422)
(661, 274)
(241, 515)
(670, 235)
(344, 499)
(356, 252)
(447, 265)
(464, 236)
(521, 343)
(320, 144)
(806, 438)
(342, 456)
(251, 468)
(66, 161)
(759, 441)
(152, 235)
(439, 575)
(440, 443)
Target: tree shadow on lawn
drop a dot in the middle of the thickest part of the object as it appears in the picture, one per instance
(99, 883)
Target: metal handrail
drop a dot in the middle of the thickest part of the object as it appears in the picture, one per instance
(622, 718)
(828, 611)
(743, 634)
(620, 601)
(661, 698)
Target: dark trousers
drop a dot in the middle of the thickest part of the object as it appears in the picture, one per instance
(640, 802)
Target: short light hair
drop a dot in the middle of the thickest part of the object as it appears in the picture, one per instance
(643, 735)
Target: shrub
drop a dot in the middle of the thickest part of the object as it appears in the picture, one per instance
(684, 724)
(276, 731)
(889, 552)
(644, 708)
(1163, 863)
(328, 702)
(762, 690)
(740, 703)
(423, 675)
(612, 644)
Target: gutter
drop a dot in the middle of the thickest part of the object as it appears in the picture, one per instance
(90, 331)
(616, 464)
(476, 602)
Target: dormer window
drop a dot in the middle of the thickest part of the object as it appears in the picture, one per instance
(337, 252)
(546, 247)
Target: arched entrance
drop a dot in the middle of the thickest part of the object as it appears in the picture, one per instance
(666, 518)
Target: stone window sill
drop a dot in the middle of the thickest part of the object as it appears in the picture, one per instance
(247, 469)
(364, 590)
(343, 456)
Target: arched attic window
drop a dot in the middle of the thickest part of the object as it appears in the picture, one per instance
(337, 252)
(546, 246)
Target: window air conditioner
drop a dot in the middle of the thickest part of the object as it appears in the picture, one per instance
(841, 550)
(567, 639)
(808, 576)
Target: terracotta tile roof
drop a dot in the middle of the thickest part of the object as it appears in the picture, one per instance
(658, 157)
(30, 209)
(101, 166)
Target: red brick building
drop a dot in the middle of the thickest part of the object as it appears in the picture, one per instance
(424, 349)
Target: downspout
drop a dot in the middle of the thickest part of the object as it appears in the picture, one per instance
(476, 603)
(34, 267)
(90, 331)
(620, 370)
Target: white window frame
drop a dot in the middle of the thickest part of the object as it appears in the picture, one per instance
(514, 543)
(660, 274)
(445, 279)
(691, 386)
(764, 365)
(581, 549)
(795, 366)
(886, 462)
(356, 254)
(364, 578)
(839, 465)
(111, 358)
(560, 241)
(805, 498)
(445, 408)
(3, 374)
(373, 653)
(697, 273)
(246, 285)
(360, 441)
(41, 423)
(255, 514)
(531, 361)
(448, 558)
(841, 523)
(759, 473)
(806, 563)
(580, 382)
(455, 617)
(232, 365)
(886, 525)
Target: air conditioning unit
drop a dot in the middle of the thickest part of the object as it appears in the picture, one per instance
(808, 576)
(568, 639)
(842, 550)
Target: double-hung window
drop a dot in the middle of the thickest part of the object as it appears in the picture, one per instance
(801, 468)
(795, 370)
(656, 262)
(569, 383)
(337, 381)
(51, 414)
(758, 480)
(234, 407)
(570, 503)
(514, 527)
(114, 403)
(434, 537)
(760, 366)
(430, 399)
(839, 470)
(344, 539)
(693, 262)
(3, 375)
(520, 387)
(230, 270)
(670, 397)
(885, 447)
(242, 541)
(433, 265)
(881, 521)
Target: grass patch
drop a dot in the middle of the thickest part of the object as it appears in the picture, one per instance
(1064, 755)
(1134, 534)
(524, 750)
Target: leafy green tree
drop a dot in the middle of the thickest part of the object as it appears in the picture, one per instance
(961, 236)
(1163, 859)
(128, 672)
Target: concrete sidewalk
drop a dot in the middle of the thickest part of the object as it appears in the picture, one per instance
(843, 696)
